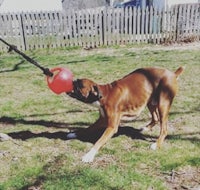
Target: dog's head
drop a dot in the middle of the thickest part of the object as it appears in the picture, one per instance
(85, 90)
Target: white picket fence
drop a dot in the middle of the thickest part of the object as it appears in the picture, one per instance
(100, 27)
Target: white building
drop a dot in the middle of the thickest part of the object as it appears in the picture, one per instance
(29, 5)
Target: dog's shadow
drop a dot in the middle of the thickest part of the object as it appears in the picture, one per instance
(83, 134)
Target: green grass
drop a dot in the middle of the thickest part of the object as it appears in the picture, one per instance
(39, 157)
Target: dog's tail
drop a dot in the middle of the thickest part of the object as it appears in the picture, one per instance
(179, 71)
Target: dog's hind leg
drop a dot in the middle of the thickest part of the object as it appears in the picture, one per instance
(153, 108)
(163, 110)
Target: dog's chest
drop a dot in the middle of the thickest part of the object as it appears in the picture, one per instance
(98, 105)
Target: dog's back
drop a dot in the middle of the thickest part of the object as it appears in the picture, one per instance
(149, 79)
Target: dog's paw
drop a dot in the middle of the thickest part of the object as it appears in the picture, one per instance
(153, 146)
(144, 129)
(71, 136)
(89, 157)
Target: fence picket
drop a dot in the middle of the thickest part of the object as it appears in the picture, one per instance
(197, 23)
(134, 24)
(142, 24)
(117, 29)
(147, 20)
(125, 26)
(130, 25)
(138, 24)
(162, 25)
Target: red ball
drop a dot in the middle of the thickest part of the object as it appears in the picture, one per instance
(62, 80)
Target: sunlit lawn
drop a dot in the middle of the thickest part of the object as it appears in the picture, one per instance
(38, 120)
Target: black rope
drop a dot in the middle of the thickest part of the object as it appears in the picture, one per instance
(46, 71)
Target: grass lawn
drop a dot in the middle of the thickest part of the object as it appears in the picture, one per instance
(38, 155)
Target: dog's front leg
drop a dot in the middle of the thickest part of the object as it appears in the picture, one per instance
(113, 123)
(89, 157)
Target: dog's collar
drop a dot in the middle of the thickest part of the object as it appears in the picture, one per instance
(99, 94)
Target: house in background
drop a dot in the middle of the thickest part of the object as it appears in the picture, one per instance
(80, 4)
(132, 3)
(159, 4)
(45, 5)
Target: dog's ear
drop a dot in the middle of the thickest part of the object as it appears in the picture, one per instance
(79, 83)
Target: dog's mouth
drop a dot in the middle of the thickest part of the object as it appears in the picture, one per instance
(77, 94)
(89, 99)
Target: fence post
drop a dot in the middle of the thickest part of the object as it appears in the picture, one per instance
(23, 32)
(102, 27)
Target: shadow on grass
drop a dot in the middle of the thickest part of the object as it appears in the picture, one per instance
(15, 68)
(83, 134)
(73, 62)
(192, 137)
(13, 121)
(87, 136)
(195, 110)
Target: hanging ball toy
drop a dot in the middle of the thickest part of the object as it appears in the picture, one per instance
(61, 81)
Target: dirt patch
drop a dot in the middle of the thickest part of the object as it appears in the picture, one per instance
(175, 46)
(161, 47)
(186, 178)
(119, 51)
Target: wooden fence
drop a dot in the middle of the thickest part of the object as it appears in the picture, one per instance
(100, 26)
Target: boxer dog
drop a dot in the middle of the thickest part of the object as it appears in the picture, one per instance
(127, 97)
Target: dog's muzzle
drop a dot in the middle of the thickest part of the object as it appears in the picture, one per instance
(76, 93)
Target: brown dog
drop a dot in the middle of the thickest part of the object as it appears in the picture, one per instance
(127, 97)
